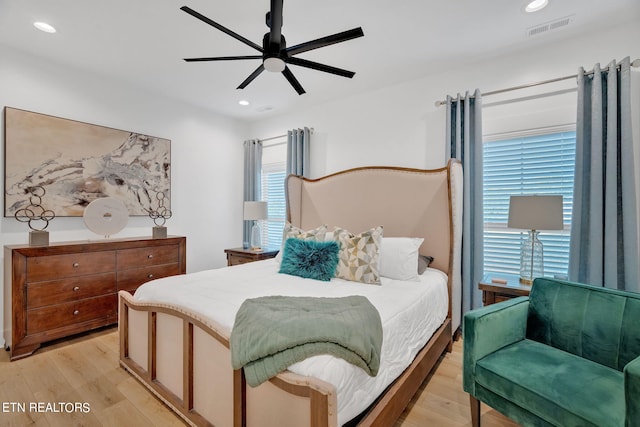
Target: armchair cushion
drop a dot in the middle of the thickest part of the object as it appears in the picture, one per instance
(559, 387)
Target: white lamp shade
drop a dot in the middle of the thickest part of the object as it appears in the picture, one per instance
(535, 212)
(255, 210)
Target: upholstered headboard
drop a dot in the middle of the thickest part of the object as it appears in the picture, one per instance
(406, 202)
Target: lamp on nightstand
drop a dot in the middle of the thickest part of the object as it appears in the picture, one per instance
(534, 213)
(255, 211)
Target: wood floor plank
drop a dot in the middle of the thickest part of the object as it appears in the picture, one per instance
(455, 412)
(124, 414)
(74, 365)
(86, 369)
(147, 404)
(42, 375)
(102, 393)
(67, 419)
(15, 396)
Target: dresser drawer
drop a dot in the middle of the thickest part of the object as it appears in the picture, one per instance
(60, 315)
(138, 257)
(53, 267)
(129, 280)
(237, 256)
(236, 260)
(59, 291)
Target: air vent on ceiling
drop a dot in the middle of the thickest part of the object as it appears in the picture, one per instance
(550, 26)
(264, 108)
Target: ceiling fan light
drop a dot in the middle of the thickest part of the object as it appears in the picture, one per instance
(536, 5)
(273, 64)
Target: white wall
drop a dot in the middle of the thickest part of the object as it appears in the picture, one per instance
(206, 183)
(399, 125)
(206, 153)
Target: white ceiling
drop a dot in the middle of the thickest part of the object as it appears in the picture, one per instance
(142, 42)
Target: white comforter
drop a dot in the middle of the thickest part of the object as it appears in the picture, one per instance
(410, 312)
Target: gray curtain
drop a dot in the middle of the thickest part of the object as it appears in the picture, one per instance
(604, 224)
(464, 142)
(298, 151)
(252, 187)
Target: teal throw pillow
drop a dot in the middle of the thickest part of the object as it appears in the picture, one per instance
(310, 259)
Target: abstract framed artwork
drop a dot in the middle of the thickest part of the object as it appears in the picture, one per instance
(77, 163)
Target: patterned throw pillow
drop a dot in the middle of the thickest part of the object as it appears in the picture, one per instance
(359, 255)
(291, 231)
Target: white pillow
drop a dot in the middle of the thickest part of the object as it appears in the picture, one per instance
(399, 258)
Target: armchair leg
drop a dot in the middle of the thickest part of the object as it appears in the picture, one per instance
(475, 411)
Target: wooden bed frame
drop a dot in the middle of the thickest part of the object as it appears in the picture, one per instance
(206, 391)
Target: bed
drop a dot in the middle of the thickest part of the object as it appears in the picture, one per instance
(174, 334)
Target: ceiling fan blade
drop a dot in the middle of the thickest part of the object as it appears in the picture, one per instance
(292, 79)
(253, 75)
(326, 41)
(275, 23)
(320, 67)
(221, 28)
(223, 58)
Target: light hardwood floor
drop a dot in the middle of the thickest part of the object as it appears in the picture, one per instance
(85, 370)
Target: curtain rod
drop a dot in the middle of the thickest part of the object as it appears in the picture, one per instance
(281, 136)
(635, 63)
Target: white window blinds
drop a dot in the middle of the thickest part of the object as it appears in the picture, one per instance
(526, 164)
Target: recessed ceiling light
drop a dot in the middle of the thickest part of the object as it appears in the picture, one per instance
(243, 102)
(536, 5)
(43, 26)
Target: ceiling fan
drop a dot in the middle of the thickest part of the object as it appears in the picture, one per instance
(275, 54)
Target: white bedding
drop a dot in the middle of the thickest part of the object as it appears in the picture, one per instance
(410, 312)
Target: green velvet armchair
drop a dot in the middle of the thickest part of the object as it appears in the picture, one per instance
(567, 355)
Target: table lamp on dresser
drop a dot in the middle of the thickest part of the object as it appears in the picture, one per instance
(255, 211)
(534, 213)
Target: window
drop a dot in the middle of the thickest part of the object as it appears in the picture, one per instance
(524, 164)
(274, 163)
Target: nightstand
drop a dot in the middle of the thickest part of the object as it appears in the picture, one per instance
(493, 292)
(237, 256)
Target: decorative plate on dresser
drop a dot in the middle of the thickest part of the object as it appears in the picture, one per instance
(70, 287)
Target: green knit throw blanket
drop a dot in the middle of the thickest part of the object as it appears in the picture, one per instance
(272, 333)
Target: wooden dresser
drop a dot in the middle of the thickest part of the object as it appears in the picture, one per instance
(70, 287)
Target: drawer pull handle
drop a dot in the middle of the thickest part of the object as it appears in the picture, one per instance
(150, 276)
(76, 288)
(76, 265)
(150, 256)
(76, 312)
